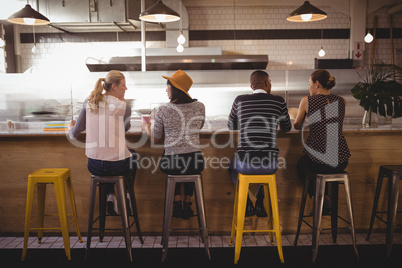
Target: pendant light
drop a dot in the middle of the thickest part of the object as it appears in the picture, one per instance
(368, 38)
(181, 39)
(306, 13)
(159, 13)
(321, 53)
(28, 16)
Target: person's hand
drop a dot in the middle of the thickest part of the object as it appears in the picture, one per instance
(71, 124)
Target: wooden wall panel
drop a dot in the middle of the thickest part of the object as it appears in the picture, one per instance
(20, 156)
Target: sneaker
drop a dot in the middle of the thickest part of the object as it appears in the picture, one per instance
(177, 209)
(187, 211)
(111, 205)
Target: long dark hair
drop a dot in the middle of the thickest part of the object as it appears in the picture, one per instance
(178, 96)
(324, 77)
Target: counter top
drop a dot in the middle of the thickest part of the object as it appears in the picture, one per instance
(211, 126)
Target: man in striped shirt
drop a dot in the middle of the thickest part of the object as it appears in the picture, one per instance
(257, 116)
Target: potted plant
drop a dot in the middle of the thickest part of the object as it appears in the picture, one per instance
(380, 92)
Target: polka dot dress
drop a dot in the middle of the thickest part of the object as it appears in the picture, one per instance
(326, 143)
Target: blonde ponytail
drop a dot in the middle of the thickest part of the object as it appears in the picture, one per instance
(96, 96)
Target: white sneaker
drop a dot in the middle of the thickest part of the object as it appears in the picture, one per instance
(111, 205)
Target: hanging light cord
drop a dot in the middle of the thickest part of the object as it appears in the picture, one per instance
(33, 31)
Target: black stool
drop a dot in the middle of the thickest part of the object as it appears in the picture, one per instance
(321, 180)
(394, 174)
(199, 201)
(123, 186)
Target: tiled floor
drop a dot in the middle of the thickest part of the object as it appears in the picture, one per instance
(192, 241)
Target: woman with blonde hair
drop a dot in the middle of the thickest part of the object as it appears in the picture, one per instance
(105, 116)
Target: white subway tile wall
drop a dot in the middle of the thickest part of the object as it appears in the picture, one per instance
(283, 53)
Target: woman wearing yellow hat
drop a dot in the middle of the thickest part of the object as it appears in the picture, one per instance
(179, 123)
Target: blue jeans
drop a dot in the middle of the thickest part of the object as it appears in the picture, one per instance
(126, 166)
(236, 166)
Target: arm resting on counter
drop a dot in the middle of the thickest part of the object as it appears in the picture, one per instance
(301, 113)
(75, 128)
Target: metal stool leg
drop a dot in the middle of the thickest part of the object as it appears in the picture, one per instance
(28, 211)
(350, 210)
(318, 202)
(170, 185)
(269, 210)
(201, 215)
(302, 207)
(62, 209)
(275, 213)
(121, 202)
(102, 210)
(70, 191)
(41, 195)
(235, 208)
(241, 211)
(375, 204)
(92, 196)
(393, 195)
(131, 192)
(334, 210)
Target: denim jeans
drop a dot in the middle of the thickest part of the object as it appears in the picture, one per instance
(236, 166)
(126, 166)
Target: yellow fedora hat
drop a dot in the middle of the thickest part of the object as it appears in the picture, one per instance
(181, 81)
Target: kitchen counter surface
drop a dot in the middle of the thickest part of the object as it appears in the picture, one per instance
(211, 126)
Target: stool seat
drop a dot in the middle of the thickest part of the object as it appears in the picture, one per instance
(394, 175)
(61, 179)
(124, 186)
(199, 201)
(320, 183)
(271, 206)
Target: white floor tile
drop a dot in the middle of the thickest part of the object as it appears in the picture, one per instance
(248, 240)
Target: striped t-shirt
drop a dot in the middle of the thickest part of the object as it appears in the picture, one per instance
(257, 117)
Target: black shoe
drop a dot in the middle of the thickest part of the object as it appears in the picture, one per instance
(111, 205)
(259, 208)
(250, 211)
(187, 211)
(177, 209)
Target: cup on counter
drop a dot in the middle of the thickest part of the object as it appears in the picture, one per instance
(145, 118)
(10, 124)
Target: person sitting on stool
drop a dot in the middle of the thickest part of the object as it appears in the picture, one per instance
(257, 116)
(105, 116)
(326, 150)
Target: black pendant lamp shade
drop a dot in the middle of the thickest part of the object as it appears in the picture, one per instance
(303, 13)
(28, 13)
(159, 13)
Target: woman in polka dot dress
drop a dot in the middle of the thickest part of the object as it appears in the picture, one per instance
(325, 150)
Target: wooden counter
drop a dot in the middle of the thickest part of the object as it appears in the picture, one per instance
(22, 154)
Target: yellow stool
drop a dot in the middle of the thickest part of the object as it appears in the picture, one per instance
(58, 177)
(271, 205)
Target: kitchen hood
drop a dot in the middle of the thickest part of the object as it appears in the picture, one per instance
(189, 62)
